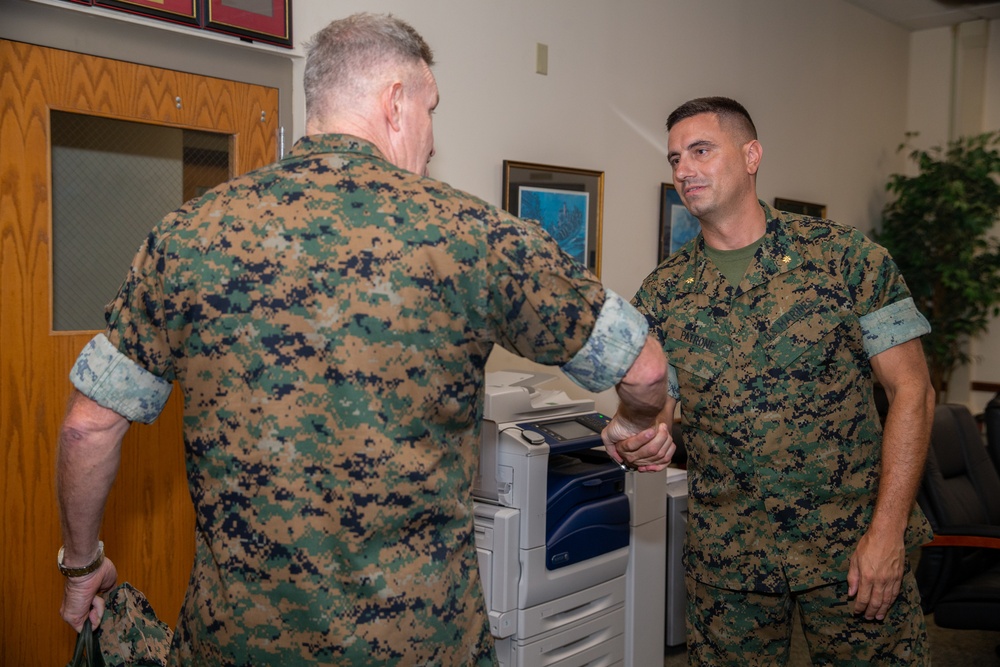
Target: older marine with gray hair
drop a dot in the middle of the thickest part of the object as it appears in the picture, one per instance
(329, 318)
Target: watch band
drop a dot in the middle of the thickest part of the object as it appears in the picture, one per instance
(80, 571)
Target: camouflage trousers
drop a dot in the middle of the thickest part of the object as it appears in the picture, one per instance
(746, 628)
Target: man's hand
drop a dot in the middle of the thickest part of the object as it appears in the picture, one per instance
(81, 597)
(647, 450)
(875, 575)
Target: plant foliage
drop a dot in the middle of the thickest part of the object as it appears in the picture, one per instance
(939, 230)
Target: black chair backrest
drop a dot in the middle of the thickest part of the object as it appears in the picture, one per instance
(961, 484)
(991, 419)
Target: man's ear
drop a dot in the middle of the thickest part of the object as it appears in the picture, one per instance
(753, 152)
(392, 105)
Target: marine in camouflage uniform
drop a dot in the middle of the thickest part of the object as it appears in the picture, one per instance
(328, 319)
(783, 439)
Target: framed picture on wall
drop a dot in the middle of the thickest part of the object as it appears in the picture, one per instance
(800, 207)
(268, 21)
(567, 203)
(677, 225)
(176, 11)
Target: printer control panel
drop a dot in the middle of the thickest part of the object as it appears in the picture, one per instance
(567, 433)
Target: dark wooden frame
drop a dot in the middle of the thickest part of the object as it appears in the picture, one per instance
(800, 207)
(185, 12)
(274, 29)
(517, 175)
(668, 230)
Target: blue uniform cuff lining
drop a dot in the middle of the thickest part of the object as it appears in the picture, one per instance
(616, 341)
(112, 380)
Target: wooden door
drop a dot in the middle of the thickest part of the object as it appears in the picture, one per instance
(148, 525)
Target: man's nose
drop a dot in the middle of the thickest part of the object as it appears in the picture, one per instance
(682, 169)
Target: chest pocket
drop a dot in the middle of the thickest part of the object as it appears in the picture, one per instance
(810, 334)
(703, 357)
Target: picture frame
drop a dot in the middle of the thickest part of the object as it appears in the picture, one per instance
(800, 207)
(268, 21)
(677, 225)
(567, 202)
(185, 12)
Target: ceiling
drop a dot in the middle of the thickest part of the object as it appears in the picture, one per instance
(924, 14)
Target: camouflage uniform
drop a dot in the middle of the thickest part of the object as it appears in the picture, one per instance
(328, 319)
(775, 383)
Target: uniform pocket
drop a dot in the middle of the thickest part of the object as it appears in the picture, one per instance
(703, 357)
(807, 334)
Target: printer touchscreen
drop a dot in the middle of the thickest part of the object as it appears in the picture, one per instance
(570, 430)
(570, 434)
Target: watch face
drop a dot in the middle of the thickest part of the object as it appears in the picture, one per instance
(80, 571)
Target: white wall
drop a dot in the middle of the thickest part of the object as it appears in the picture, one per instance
(987, 348)
(942, 104)
(831, 87)
(824, 81)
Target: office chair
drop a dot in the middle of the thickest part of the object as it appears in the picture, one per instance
(991, 420)
(959, 571)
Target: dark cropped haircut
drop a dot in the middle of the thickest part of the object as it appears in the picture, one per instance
(342, 57)
(728, 110)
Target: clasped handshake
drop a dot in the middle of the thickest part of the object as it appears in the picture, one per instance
(638, 436)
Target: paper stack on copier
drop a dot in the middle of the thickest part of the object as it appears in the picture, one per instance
(556, 536)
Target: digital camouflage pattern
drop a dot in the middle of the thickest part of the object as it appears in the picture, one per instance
(329, 318)
(747, 629)
(130, 634)
(775, 386)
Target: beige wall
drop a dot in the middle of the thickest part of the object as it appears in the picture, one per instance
(987, 349)
(825, 82)
(954, 89)
(831, 88)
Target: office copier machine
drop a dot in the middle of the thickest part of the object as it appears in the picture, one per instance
(571, 546)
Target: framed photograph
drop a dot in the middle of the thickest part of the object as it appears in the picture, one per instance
(568, 203)
(800, 207)
(267, 21)
(677, 225)
(176, 11)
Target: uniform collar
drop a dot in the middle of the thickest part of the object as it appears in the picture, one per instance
(318, 144)
(778, 254)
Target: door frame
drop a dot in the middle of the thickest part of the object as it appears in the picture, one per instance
(149, 523)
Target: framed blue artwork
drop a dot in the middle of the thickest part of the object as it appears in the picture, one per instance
(677, 225)
(566, 202)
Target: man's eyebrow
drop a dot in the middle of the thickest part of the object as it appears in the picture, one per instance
(697, 143)
(700, 143)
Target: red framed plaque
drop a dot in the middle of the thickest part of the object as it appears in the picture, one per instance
(256, 20)
(177, 11)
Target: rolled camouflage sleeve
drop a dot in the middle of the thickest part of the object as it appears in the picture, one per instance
(614, 344)
(109, 378)
(892, 325)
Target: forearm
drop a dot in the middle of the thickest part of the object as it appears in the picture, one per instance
(905, 440)
(643, 391)
(87, 463)
(906, 435)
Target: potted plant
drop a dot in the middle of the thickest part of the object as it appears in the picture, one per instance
(939, 230)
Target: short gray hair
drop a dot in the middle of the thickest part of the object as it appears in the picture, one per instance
(342, 58)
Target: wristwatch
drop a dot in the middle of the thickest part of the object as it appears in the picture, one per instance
(80, 571)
